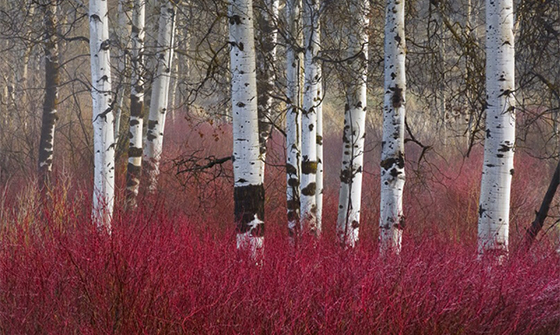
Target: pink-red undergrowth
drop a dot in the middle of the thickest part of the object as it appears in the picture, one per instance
(169, 274)
(171, 267)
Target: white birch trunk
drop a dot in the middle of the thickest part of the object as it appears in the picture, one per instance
(319, 177)
(311, 103)
(440, 59)
(179, 70)
(349, 204)
(266, 58)
(497, 171)
(150, 41)
(248, 186)
(24, 74)
(441, 96)
(124, 31)
(160, 93)
(181, 66)
(103, 137)
(293, 116)
(470, 25)
(174, 86)
(391, 220)
(136, 123)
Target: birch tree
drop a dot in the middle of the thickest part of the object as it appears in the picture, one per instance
(267, 35)
(470, 72)
(497, 171)
(103, 137)
(248, 187)
(181, 69)
(136, 123)
(391, 220)
(124, 32)
(349, 203)
(293, 115)
(437, 40)
(52, 82)
(311, 104)
(160, 92)
(320, 165)
(24, 55)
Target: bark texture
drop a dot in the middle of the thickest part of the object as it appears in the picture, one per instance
(349, 204)
(497, 171)
(319, 176)
(248, 186)
(267, 35)
(103, 136)
(136, 122)
(311, 103)
(294, 68)
(124, 32)
(391, 220)
(50, 102)
(160, 93)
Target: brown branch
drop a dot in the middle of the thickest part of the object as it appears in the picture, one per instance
(413, 139)
(196, 167)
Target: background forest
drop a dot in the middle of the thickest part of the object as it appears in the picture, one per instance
(170, 263)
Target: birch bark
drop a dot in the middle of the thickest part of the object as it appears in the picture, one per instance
(470, 25)
(391, 221)
(136, 122)
(124, 33)
(319, 176)
(180, 68)
(248, 187)
(311, 103)
(349, 204)
(50, 103)
(103, 137)
(293, 115)
(497, 171)
(267, 35)
(160, 93)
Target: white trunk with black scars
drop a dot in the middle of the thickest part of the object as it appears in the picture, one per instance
(293, 115)
(349, 204)
(266, 58)
(103, 136)
(497, 171)
(391, 220)
(160, 93)
(136, 124)
(311, 102)
(123, 34)
(319, 176)
(248, 187)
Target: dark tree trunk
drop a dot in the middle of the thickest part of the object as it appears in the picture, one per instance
(538, 223)
(52, 81)
(249, 204)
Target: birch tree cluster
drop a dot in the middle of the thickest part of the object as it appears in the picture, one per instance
(94, 83)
